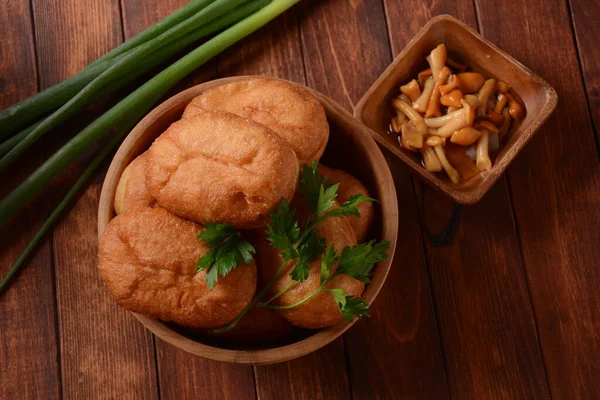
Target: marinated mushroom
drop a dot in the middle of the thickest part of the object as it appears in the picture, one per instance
(437, 60)
(450, 171)
(514, 108)
(430, 159)
(454, 117)
(411, 90)
(423, 76)
(465, 136)
(452, 98)
(483, 158)
(421, 103)
(470, 82)
(484, 94)
(500, 103)
(411, 138)
(494, 117)
(453, 83)
(434, 106)
(414, 116)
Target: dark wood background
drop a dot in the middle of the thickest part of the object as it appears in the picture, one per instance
(508, 309)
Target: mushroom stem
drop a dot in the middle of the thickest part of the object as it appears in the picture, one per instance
(484, 95)
(423, 76)
(500, 102)
(460, 121)
(421, 103)
(438, 122)
(504, 128)
(414, 116)
(450, 171)
(483, 158)
(453, 83)
(430, 159)
(437, 60)
(495, 118)
(433, 107)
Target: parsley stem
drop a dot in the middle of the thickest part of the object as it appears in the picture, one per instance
(281, 293)
(299, 303)
(255, 301)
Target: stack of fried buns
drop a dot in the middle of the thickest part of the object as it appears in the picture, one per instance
(232, 158)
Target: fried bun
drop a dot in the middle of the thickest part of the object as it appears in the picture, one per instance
(147, 259)
(288, 110)
(349, 186)
(131, 193)
(218, 167)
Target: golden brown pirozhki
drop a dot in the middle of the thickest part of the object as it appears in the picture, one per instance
(148, 262)
(218, 167)
(132, 193)
(322, 310)
(349, 186)
(285, 108)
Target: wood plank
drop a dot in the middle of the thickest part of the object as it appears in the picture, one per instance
(275, 50)
(183, 375)
(396, 353)
(29, 366)
(478, 279)
(105, 353)
(555, 186)
(585, 16)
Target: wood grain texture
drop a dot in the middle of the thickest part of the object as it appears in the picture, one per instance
(320, 375)
(396, 353)
(183, 375)
(555, 186)
(105, 353)
(29, 364)
(585, 15)
(478, 281)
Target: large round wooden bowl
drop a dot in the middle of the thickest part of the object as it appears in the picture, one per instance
(350, 148)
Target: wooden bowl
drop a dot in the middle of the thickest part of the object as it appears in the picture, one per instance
(465, 45)
(350, 147)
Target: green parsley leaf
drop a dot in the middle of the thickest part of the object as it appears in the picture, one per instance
(326, 199)
(350, 207)
(309, 248)
(328, 260)
(339, 296)
(358, 261)
(354, 306)
(310, 185)
(228, 250)
(284, 231)
(349, 306)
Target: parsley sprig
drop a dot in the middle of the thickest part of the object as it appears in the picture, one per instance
(301, 246)
(228, 250)
(356, 262)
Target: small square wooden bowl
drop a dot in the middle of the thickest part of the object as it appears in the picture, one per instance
(464, 45)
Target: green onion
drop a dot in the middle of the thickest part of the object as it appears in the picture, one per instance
(130, 62)
(81, 181)
(25, 112)
(6, 146)
(140, 100)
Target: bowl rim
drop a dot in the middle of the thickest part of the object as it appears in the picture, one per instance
(389, 229)
(478, 192)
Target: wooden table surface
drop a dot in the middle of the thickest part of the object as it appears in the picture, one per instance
(508, 307)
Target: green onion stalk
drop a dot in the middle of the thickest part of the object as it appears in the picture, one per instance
(24, 113)
(140, 101)
(130, 62)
